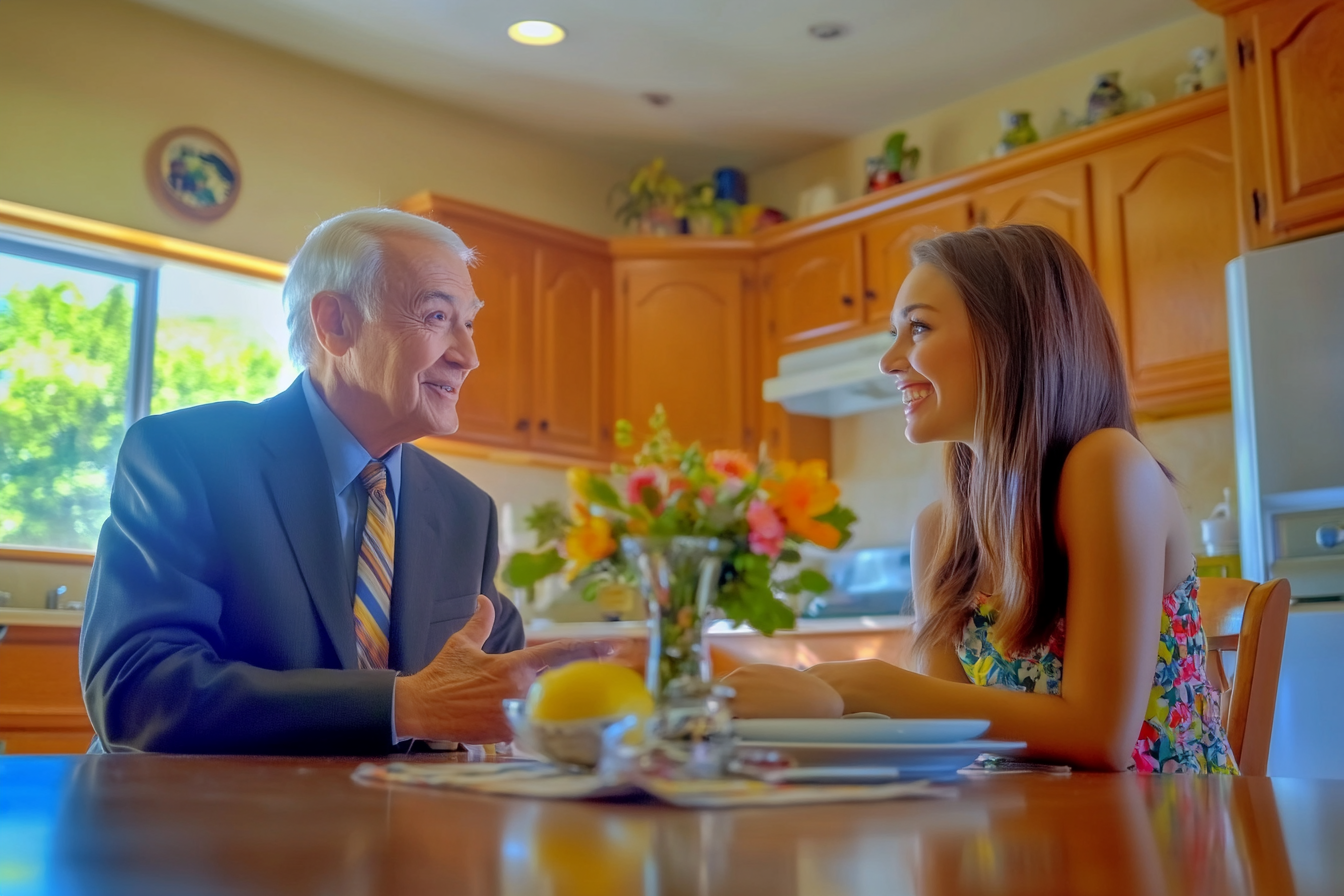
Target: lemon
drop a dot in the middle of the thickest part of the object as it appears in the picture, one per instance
(587, 690)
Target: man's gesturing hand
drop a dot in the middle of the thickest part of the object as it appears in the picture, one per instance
(459, 695)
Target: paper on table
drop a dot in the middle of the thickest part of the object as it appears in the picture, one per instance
(544, 781)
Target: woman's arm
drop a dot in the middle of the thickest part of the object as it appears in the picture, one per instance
(1113, 522)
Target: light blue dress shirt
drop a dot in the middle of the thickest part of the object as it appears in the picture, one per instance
(346, 459)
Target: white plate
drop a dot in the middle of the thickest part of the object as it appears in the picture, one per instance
(861, 731)
(939, 761)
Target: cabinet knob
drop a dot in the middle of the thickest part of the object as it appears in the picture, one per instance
(522, 424)
(1256, 205)
(870, 295)
(544, 425)
(847, 300)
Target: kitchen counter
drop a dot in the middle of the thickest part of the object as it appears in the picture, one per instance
(545, 629)
(41, 617)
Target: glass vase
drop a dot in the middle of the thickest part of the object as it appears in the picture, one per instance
(679, 578)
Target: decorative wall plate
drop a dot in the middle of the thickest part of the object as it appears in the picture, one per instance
(193, 173)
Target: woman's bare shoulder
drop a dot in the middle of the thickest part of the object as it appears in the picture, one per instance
(1107, 455)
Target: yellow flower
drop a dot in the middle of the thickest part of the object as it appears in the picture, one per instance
(587, 542)
(802, 492)
(578, 479)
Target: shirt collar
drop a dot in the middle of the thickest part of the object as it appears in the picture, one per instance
(346, 458)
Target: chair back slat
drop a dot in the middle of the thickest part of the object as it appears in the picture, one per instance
(1250, 619)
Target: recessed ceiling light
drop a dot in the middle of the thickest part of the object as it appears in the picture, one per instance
(827, 30)
(536, 34)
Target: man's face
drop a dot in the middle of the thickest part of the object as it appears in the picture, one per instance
(416, 351)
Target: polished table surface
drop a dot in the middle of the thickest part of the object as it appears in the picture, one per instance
(147, 825)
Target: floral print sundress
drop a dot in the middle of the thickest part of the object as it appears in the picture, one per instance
(1182, 730)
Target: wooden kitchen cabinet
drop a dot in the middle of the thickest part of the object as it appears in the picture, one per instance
(41, 704)
(543, 390)
(573, 413)
(1286, 73)
(680, 343)
(1166, 225)
(496, 402)
(1058, 197)
(816, 289)
(887, 244)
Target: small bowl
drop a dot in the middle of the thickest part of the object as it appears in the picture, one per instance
(577, 743)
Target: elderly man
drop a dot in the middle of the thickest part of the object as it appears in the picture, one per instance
(291, 577)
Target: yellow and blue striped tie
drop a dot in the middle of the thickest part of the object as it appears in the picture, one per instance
(373, 578)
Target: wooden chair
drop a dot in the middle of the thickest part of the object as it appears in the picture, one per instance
(1250, 619)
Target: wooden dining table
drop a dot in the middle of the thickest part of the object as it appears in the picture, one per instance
(179, 825)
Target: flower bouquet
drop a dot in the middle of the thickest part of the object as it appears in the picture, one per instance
(699, 534)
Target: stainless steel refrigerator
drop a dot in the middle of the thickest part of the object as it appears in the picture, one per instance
(1286, 330)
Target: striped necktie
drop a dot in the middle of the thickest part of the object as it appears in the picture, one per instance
(373, 579)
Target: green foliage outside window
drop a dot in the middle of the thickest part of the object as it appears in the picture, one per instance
(63, 367)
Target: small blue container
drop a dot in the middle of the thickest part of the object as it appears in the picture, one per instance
(730, 183)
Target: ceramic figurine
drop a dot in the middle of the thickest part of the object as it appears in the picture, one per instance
(1107, 100)
(1017, 131)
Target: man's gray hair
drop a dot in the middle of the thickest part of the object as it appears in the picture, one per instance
(344, 255)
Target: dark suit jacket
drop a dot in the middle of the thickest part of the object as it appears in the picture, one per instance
(220, 612)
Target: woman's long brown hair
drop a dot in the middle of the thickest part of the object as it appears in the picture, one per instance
(1050, 372)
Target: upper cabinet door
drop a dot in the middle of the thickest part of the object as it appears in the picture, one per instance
(679, 343)
(494, 407)
(1288, 57)
(887, 244)
(571, 350)
(1058, 198)
(1167, 212)
(815, 287)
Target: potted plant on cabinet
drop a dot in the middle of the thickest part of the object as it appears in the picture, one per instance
(649, 200)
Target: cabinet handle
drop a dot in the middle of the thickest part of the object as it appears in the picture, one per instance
(1255, 205)
(847, 300)
(522, 424)
(1245, 52)
(870, 295)
(544, 425)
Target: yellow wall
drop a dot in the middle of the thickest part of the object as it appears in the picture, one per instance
(965, 132)
(87, 85)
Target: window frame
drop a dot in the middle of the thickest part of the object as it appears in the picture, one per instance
(115, 249)
(144, 311)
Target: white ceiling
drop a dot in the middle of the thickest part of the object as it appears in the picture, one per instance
(749, 85)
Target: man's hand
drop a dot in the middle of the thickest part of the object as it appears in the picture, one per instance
(778, 692)
(459, 695)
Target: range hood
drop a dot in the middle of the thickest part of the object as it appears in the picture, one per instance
(834, 380)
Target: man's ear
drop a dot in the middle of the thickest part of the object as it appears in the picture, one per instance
(335, 321)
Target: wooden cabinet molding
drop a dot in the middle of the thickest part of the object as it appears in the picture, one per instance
(1028, 160)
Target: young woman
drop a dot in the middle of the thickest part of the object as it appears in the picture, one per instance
(1057, 530)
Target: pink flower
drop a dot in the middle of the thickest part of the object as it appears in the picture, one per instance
(732, 464)
(766, 529)
(1169, 604)
(1144, 763)
(708, 496)
(644, 477)
(1185, 671)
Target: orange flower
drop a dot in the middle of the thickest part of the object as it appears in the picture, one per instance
(802, 492)
(730, 464)
(588, 541)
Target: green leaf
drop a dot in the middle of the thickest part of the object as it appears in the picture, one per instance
(590, 588)
(602, 494)
(790, 555)
(624, 434)
(524, 570)
(841, 517)
(549, 521)
(651, 497)
(813, 581)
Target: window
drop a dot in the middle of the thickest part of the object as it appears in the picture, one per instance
(91, 343)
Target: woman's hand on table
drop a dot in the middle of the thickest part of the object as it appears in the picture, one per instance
(866, 685)
(766, 691)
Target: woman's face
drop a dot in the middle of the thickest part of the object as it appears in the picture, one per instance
(933, 358)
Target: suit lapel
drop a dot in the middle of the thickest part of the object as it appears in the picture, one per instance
(427, 520)
(300, 486)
